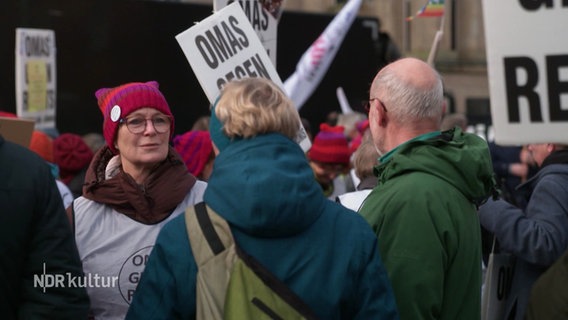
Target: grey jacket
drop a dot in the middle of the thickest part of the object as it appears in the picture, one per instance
(537, 236)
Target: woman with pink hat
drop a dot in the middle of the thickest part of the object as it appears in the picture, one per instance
(133, 186)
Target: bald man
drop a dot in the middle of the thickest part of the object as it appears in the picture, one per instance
(424, 208)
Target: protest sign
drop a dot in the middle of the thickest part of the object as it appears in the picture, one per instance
(224, 47)
(263, 16)
(527, 59)
(17, 130)
(36, 76)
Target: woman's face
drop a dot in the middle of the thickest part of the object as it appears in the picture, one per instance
(148, 147)
(326, 172)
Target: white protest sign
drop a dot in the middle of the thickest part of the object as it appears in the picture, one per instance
(527, 58)
(263, 16)
(497, 285)
(224, 47)
(36, 76)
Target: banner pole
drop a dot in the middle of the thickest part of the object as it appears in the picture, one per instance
(436, 43)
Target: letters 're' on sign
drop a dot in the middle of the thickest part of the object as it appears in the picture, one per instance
(527, 57)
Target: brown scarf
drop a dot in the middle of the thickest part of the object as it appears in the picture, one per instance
(149, 203)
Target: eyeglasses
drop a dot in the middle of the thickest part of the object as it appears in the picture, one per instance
(137, 125)
(367, 104)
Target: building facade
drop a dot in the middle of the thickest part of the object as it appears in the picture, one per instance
(461, 55)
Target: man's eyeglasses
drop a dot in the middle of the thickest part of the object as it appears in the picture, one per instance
(137, 125)
(367, 105)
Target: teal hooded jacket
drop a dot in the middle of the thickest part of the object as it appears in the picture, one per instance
(424, 212)
(264, 187)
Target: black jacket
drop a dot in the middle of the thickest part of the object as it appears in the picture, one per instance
(36, 242)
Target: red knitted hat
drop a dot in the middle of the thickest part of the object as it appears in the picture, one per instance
(195, 148)
(330, 145)
(71, 154)
(117, 103)
(7, 114)
(356, 142)
(42, 144)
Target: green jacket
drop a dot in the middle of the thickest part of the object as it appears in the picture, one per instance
(424, 212)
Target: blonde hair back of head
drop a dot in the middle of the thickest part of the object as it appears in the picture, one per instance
(253, 106)
(365, 159)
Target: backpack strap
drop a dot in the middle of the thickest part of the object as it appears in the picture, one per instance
(276, 285)
(211, 241)
(205, 225)
(209, 237)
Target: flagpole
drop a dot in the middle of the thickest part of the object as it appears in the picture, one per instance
(405, 35)
(436, 43)
(343, 103)
(315, 62)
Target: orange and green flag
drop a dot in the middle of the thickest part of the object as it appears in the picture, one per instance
(434, 8)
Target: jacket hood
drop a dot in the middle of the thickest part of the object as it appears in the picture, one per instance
(265, 187)
(461, 159)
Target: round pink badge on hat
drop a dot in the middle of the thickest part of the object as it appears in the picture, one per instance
(115, 113)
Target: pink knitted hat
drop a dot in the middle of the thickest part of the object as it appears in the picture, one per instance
(330, 145)
(356, 142)
(117, 103)
(7, 114)
(71, 154)
(195, 148)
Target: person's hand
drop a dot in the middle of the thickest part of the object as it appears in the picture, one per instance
(519, 169)
(526, 157)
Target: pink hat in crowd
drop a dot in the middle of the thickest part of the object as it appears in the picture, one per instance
(71, 154)
(361, 126)
(330, 145)
(7, 114)
(117, 103)
(195, 148)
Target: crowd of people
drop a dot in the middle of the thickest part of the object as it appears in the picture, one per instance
(383, 217)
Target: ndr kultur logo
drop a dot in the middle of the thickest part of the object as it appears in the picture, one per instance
(68, 280)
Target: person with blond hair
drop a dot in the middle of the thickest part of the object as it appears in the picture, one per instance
(364, 160)
(263, 186)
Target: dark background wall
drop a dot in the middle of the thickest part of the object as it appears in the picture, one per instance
(103, 43)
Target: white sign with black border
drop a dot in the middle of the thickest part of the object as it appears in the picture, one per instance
(223, 47)
(527, 57)
(36, 76)
(262, 20)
